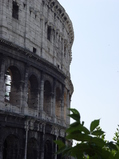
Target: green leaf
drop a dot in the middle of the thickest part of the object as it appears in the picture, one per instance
(95, 157)
(111, 146)
(94, 124)
(66, 151)
(79, 127)
(117, 155)
(60, 144)
(75, 124)
(98, 132)
(75, 114)
(83, 147)
(98, 141)
(79, 137)
(74, 111)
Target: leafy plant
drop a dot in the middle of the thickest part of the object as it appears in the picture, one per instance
(91, 143)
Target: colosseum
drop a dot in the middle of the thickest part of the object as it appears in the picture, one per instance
(36, 38)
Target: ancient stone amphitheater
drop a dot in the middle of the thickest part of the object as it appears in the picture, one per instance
(36, 37)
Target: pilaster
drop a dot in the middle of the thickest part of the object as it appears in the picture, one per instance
(43, 142)
(2, 81)
(41, 95)
(53, 98)
(68, 106)
(25, 90)
(62, 104)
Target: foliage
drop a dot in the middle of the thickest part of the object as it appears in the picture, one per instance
(116, 137)
(91, 143)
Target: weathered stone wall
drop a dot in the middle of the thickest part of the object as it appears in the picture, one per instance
(35, 87)
(36, 19)
(39, 95)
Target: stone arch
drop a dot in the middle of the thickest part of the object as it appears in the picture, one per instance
(48, 150)
(11, 147)
(32, 149)
(12, 85)
(58, 102)
(47, 97)
(32, 92)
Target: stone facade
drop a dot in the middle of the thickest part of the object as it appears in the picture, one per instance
(36, 37)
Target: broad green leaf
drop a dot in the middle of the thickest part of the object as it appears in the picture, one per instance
(96, 150)
(105, 154)
(75, 114)
(74, 111)
(95, 157)
(98, 141)
(98, 132)
(111, 146)
(78, 127)
(74, 124)
(94, 124)
(60, 144)
(79, 150)
(66, 151)
(79, 137)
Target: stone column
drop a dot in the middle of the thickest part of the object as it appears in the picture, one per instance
(56, 148)
(43, 36)
(62, 54)
(65, 104)
(43, 141)
(41, 100)
(53, 98)
(26, 137)
(25, 90)
(68, 106)
(21, 96)
(1, 150)
(1, 138)
(38, 102)
(62, 104)
(54, 49)
(52, 104)
(42, 33)
(2, 82)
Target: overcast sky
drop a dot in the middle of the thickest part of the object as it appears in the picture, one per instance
(95, 61)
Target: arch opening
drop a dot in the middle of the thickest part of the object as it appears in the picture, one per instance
(32, 147)
(12, 85)
(47, 97)
(48, 150)
(11, 147)
(8, 80)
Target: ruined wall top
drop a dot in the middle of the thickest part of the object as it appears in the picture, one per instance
(64, 17)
